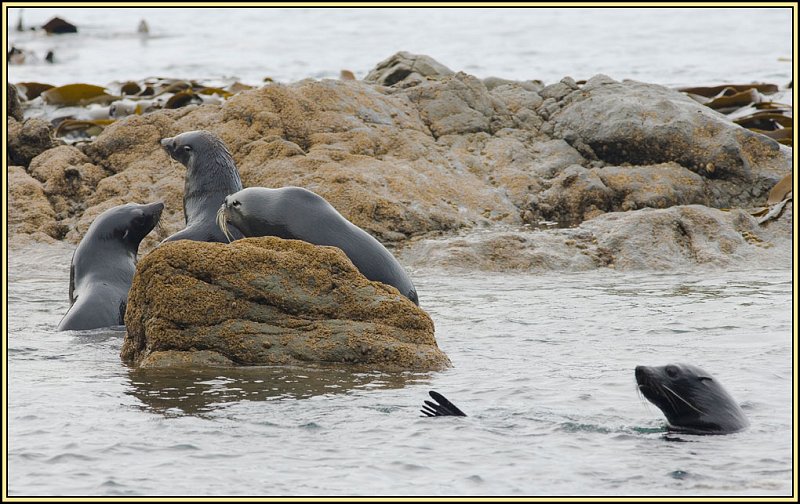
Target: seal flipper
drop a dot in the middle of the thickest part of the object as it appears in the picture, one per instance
(443, 408)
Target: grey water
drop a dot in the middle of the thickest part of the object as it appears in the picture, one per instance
(542, 365)
(669, 46)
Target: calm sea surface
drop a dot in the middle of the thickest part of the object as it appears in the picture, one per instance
(543, 364)
(666, 46)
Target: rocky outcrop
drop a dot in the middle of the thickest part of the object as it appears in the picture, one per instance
(28, 139)
(682, 237)
(264, 301)
(644, 124)
(404, 66)
(440, 154)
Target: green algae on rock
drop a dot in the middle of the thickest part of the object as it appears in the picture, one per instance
(267, 301)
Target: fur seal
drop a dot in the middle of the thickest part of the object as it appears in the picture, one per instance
(103, 265)
(299, 214)
(692, 401)
(211, 175)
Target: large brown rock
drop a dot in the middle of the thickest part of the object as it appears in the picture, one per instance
(369, 154)
(263, 301)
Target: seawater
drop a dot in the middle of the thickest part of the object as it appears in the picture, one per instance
(542, 364)
(673, 47)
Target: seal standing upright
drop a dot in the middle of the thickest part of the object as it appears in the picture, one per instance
(103, 265)
(299, 214)
(691, 399)
(211, 175)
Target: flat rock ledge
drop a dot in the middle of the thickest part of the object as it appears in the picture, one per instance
(269, 301)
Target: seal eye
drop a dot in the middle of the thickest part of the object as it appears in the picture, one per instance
(672, 371)
(704, 378)
(236, 203)
(187, 148)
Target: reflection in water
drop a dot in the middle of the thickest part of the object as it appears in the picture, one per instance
(175, 392)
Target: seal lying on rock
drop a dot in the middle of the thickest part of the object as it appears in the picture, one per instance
(692, 401)
(103, 265)
(299, 214)
(211, 175)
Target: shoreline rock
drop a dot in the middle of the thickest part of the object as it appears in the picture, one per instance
(267, 301)
(435, 154)
(676, 238)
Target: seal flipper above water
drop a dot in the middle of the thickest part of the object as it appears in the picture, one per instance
(443, 408)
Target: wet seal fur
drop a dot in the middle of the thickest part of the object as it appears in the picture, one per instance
(691, 399)
(102, 268)
(295, 213)
(211, 175)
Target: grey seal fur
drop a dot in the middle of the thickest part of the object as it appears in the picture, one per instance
(211, 175)
(298, 214)
(691, 399)
(102, 267)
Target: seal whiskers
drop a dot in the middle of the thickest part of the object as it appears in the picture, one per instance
(222, 222)
(682, 399)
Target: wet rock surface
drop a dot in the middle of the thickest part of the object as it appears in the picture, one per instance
(261, 301)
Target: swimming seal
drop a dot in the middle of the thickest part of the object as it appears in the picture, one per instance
(211, 175)
(692, 401)
(103, 265)
(299, 214)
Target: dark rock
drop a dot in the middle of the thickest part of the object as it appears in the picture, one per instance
(58, 26)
